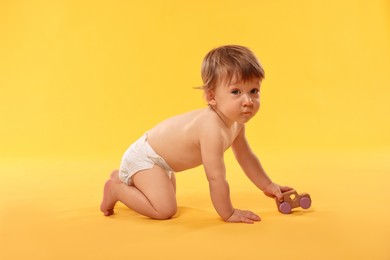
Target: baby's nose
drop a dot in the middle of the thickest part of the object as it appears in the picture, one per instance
(248, 101)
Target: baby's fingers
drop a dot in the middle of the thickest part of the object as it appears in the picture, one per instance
(285, 188)
(249, 217)
(244, 216)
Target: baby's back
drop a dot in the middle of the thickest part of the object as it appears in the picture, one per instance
(177, 139)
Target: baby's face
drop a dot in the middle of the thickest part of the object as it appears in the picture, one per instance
(237, 101)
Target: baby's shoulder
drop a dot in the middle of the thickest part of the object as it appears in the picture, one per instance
(209, 120)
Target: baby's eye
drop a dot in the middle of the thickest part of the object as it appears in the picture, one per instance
(254, 91)
(235, 92)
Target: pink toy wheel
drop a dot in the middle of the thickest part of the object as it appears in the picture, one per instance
(285, 208)
(305, 202)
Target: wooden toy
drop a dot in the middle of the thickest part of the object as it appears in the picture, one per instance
(291, 199)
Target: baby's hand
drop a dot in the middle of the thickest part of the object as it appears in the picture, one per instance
(275, 191)
(244, 216)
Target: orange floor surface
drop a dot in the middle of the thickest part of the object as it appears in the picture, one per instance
(50, 210)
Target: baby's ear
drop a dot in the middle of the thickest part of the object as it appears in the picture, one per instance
(210, 97)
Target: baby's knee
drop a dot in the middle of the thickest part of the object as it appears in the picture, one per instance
(166, 213)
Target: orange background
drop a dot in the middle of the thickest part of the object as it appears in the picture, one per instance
(81, 80)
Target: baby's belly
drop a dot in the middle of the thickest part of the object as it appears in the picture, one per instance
(181, 161)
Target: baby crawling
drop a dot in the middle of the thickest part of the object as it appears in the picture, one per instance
(146, 182)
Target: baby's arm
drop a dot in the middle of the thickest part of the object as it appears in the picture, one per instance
(212, 150)
(253, 169)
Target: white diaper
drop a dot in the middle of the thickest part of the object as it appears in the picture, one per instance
(140, 156)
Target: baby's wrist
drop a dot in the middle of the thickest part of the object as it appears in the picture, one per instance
(229, 216)
(265, 186)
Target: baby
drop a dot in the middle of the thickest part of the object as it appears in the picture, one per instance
(146, 182)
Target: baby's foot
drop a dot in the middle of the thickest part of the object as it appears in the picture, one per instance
(115, 175)
(109, 201)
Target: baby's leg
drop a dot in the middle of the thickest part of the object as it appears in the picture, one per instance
(173, 180)
(152, 195)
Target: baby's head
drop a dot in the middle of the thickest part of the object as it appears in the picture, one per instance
(228, 64)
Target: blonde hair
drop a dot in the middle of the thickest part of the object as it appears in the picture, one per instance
(227, 63)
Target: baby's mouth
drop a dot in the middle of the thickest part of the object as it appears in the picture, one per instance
(246, 113)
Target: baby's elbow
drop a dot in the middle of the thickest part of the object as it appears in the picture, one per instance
(216, 181)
